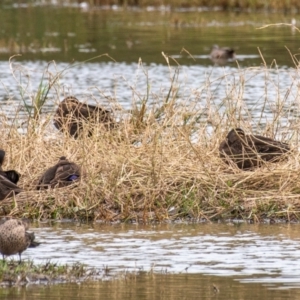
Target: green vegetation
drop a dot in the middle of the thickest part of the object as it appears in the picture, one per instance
(14, 274)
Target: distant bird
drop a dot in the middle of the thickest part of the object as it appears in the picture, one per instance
(62, 174)
(248, 151)
(14, 238)
(221, 55)
(8, 180)
(72, 115)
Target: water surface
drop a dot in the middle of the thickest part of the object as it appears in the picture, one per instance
(172, 261)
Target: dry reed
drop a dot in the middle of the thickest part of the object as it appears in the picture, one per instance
(161, 163)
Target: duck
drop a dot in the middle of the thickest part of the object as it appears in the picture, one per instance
(62, 174)
(221, 55)
(8, 188)
(249, 151)
(71, 115)
(8, 180)
(14, 239)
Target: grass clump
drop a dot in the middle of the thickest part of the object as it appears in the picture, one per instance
(162, 162)
(13, 273)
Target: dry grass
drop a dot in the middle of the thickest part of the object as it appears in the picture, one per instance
(161, 162)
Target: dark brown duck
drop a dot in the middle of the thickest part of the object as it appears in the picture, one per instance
(14, 239)
(248, 151)
(62, 174)
(71, 116)
(8, 180)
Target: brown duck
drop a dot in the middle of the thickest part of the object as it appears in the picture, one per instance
(62, 174)
(14, 238)
(71, 115)
(8, 180)
(248, 151)
(221, 55)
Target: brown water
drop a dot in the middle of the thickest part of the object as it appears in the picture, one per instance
(175, 261)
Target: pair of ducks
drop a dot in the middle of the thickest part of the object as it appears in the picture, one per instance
(250, 151)
(61, 174)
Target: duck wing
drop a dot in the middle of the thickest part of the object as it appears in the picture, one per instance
(8, 188)
(66, 172)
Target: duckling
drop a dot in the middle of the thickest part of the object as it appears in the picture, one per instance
(221, 55)
(62, 174)
(14, 238)
(71, 115)
(248, 151)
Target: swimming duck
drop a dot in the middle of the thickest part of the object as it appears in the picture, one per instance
(71, 115)
(248, 151)
(221, 55)
(62, 174)
(14, 238)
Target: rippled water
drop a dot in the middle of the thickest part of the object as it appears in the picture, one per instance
(248, 253)
(255, 92)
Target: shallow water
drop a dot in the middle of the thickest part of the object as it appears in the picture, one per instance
(215, 249)
(179, 260)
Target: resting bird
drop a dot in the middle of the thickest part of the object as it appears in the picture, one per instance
(248, 151)
(14, 238)
(8, 180)
(8, 188)
(221, 55)
(71, 115)
(62, 174)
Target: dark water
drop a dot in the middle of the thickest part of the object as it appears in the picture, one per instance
(176, 261)
(65, 34)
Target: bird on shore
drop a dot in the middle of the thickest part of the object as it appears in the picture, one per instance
(62, 174)
(8, 180)
(221, 55)
(14, 239)
(248, 151)
(72, 115)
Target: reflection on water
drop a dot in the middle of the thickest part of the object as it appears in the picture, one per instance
(153, 287)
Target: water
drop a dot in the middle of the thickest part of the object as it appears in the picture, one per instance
(183, 259)
(134, 41)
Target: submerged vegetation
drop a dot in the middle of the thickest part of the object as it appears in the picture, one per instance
(162, 161)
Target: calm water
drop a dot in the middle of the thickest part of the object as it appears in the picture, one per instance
(243, 261)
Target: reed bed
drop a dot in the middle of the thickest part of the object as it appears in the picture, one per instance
(161, 163)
